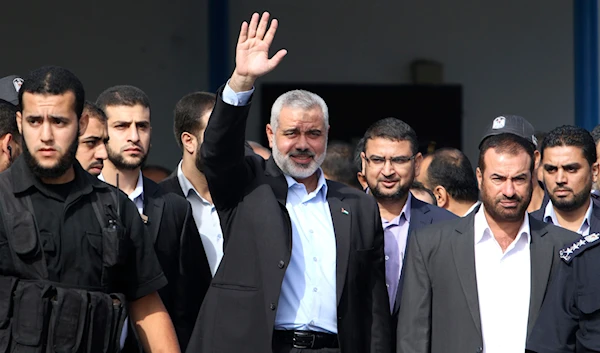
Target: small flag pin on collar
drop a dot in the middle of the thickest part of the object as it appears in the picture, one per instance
(344, 211)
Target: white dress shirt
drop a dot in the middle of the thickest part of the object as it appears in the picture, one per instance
(207, 220)
(503, 286)
(472, 208)
(584, 229)
(308, 298)
(137, 196)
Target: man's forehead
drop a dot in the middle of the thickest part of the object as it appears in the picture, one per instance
(381, 144)
(31, 101)
(573, 153)
(127, 113)
(96, 128)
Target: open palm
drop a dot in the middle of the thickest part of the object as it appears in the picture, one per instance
(252, 52)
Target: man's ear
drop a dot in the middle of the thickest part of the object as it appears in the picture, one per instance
(189, 142)
(418, 160)
(363, 159)
(595, 172)
(5, 143)
(441, 196)
(479, 177)
(19, 118)
(270, 135)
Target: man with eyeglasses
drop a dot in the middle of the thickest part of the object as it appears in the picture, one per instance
(390, 164)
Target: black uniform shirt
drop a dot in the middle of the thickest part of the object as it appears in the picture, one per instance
(71, 235)
(569, 320)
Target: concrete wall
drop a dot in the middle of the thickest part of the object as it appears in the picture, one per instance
(156, 45)
(510, 58)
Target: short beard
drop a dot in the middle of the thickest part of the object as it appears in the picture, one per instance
(294, 170)
(579, 200)
(398, 195)
(492, 207)
(120, 163)
(62, 166)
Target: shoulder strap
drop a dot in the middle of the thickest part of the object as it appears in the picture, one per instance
(99, 201)
(586, 242)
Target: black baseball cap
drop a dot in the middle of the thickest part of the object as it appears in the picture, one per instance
(9, 88)
(511, 124)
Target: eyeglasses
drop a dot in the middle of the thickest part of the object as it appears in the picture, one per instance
(398, 161)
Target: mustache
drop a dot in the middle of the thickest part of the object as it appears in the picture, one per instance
(133, 146)
(562, 188)
(99, 164)
(512, 198)
(302, 153)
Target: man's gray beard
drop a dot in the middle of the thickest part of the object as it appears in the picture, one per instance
(290, 168)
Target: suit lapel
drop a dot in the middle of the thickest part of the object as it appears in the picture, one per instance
(463, 248)
(595, 219)
(418, 215)
(418, 219)
(153, 209)
(341, 215)
(541, 257)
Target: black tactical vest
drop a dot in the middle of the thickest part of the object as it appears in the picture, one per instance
(40, 316)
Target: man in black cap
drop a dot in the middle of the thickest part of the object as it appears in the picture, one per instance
(10, 139)
(476, 284)
(517, 125)
(9, 88)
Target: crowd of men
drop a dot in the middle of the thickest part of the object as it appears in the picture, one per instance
(249, 249)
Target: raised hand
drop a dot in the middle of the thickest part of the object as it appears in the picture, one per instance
(252, 52)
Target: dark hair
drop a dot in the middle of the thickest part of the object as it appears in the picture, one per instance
(568, 135)
(53, 80)
(416, 185)
(94, 111)
(360, 147)
(8, 119)
(393, 129)
(189, 111)
(122, 95)
(540, 136)
(338, 163)
(451, 169)
(506, 143)
(596, 134)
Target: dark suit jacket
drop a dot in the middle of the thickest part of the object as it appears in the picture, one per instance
(421, 214)
(181, 255)
(171, 184)
(440, 306)
(239, 310)
(594, 221)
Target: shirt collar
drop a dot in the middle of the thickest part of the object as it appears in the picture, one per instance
(139, 187)
(550, 215)
(186, 185)
(321, 184)
(404, 214)
(473, 207)
(23, 179)
(483, 231)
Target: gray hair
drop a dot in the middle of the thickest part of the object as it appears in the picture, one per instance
(298, 99)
